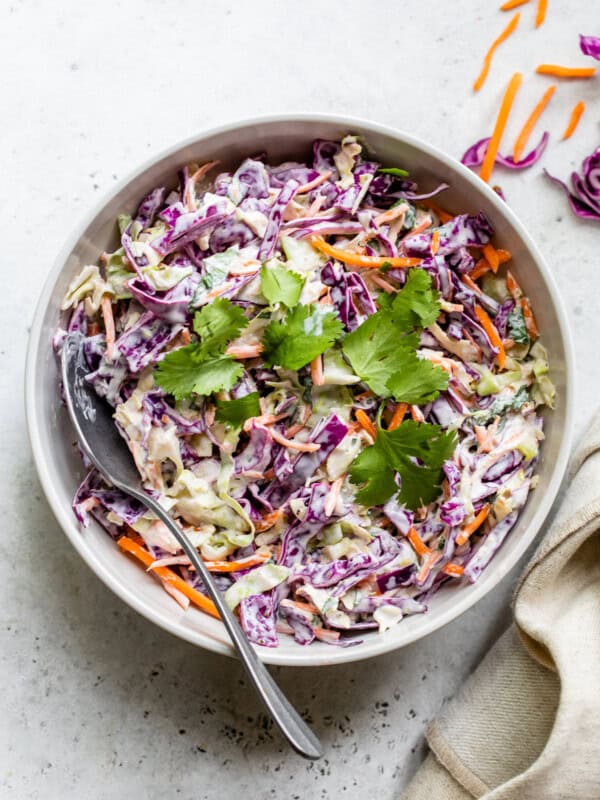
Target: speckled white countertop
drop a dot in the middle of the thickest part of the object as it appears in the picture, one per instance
(95, 701)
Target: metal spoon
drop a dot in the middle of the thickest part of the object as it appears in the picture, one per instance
(107, 450)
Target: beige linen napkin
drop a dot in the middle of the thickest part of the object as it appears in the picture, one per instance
(526, 725)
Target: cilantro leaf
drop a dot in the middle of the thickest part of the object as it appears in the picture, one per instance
(416, 452)
(372, 469)
(417, 381)
(280, 285)
(305, 333)
(188, 369)
(417, 304)
(218, 323)
(202, 368)
(395, 171)
(516, 328)
(377, 350)
(236, 412)
(382, 351)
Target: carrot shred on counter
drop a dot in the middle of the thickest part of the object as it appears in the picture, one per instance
(503, 115)
(397, 416)
(489, 327)
(418, 544)
(359, 260)
(455, 570)
(540, 16)
(526, 130)
(168, 576)
(435, 242)
(365, 423)
(510, 4)
(565, 72)
(576, 115)
(470, 529)
(487, 60)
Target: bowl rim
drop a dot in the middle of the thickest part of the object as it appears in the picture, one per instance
(376, 645)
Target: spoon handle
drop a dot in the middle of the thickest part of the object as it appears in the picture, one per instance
(285, 716)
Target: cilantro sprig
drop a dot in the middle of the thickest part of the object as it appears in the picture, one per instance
(203, 367)
(302, 335)
(236, 412)
(416, 452)
(280, 285)
(382, 351)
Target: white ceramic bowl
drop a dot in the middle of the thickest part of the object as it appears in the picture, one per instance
(286, 137)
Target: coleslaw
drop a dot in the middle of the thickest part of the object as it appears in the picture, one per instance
(333, 384)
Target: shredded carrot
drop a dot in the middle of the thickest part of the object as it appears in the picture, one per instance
(503, 114)
(309, 608)
(487, 61)
(418, 544)
(541, 12)
(510, 4)
(435, 242)
(469, 529)
(308, 187)
(326, 635)
(365, 423)
(565, 72)
(513, 287)
(191, 184)
(185, 336)
(480, 268)
(491, 255)
(422, 226)
(168, 576)
(490, 329)
(530, 323)
(293, 429)
(429, 562)
(441, 214)
(416, 414)
(576, 115)
(234, 566)
(456, 570)
(379, 281)
(263, 419)
(316, 371)
(242, 351)
(393, 213)
(468, 281)
(333, 496)
(358, 260)
(109, 325)
(268, 520)
(302, 447)
(529, 125)
(398, 416)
